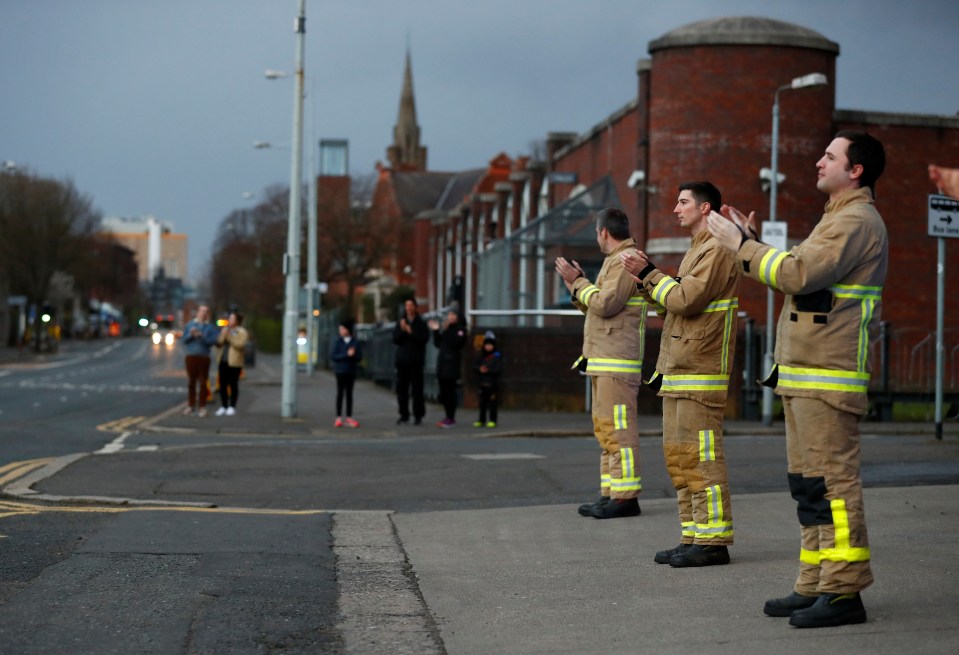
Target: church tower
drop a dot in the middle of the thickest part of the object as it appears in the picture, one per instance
(406, 153)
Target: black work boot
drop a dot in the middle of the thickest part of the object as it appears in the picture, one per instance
(586, 509)
(830, 610)
(616, 508)
(699, 555)
(786, 605)
(663, 556)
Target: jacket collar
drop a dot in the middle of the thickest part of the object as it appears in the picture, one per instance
(846, 198)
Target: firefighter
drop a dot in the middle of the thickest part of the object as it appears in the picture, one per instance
(833, 284)
(613, 340)
(692, 376)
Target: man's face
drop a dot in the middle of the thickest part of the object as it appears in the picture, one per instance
(690, 212)
(203, 313)
(835, 174)
(602, 238)
(410, 308)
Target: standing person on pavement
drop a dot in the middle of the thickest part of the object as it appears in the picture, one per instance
(346, 354)
(833, 284)
(199, 336)
(232, 342)
(450, 339)
(692, 376)
(613, 341)
(489, 367)
(410, 336)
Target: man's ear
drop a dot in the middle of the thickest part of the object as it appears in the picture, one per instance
(856, 171)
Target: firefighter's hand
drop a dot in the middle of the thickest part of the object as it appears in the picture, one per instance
(947, 179)
(567, 271)
(727, 228)
(634, 261)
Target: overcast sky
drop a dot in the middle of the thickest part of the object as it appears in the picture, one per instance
(152, 106)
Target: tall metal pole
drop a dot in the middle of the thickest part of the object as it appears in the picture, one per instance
(940, 349)
(291, 262)
(768, 359)
(311, 281)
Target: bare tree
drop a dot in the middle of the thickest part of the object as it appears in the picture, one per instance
(46, 226)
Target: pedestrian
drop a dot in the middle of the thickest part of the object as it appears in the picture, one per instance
(833, 284)
(488, 366)
(692, 377)
(613, 340)
(410, 335)
(450, 337)
(346, 354)
(199, 335)
(232, 342)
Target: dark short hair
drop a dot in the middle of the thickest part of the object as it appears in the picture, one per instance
(615, 222)
(239, 318)
(866, 151)
(704, 192)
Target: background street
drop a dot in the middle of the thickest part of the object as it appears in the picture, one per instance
(128, 527)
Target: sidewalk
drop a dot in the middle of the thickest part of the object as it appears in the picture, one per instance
(375, 407)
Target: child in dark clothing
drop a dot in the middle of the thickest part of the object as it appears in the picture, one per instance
(489, 365)
(346, 354)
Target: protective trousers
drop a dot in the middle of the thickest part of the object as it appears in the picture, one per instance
(822, 450)
(693, 448)
(616, 428)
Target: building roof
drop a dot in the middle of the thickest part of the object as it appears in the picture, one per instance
(458, 187)
(418, 190)
(743, 30)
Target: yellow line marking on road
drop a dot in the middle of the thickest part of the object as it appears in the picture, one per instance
(15, 509)
(15, 470)
(120, 425)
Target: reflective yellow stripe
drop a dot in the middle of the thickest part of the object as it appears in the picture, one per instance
(694, 382)
(716, 525)
(662, 289)
(604, 480)
(728, 305)
(619, 417)
(689, 529)
(811, 557)
(843, 552)
(707, 446)
(636, 301)
(769, 267)
(576, 363)
(722, 305)
(588, 292)
(869, 297)
(631, 480)
(823, 379)
(606, 365)
(857, 291)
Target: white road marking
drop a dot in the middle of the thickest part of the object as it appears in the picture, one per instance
(114, 446)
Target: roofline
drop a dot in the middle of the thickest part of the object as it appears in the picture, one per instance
(599, 127)
(893, 118)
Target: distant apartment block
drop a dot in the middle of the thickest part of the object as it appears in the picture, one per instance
(159, 251)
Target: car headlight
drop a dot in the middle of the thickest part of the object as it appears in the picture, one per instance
(169, 339)
(156, 338)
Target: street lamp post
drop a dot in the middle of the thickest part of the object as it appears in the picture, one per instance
(812, 79)
(291, 262)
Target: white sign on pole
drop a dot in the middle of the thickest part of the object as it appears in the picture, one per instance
(774, 234)
(943, 216)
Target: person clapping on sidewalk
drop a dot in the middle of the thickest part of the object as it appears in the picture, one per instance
(232, 343)
(346, 354)
(450, 339)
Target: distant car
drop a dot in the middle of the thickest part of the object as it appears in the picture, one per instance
(163, 331)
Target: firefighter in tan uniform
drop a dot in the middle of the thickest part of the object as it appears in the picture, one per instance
(833, 284)
(613, 340)
(692, 376)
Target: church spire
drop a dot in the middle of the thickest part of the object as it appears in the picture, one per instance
(406, 153)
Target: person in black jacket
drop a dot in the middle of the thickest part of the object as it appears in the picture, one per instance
(450, 339)
(410, 336)
(488, 366)
(346, 354)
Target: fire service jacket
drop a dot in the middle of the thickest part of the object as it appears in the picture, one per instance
(833, 284)
(614, 334)
(699, 329)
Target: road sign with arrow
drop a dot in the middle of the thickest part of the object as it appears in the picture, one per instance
(943, 217)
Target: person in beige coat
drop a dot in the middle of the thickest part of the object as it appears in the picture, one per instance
(833, 284)
(613, 339)
(692, 377)
(231, 357)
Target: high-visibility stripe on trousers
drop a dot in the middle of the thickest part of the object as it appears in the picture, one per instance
(822, 450)
(693, 448)
(615, 427)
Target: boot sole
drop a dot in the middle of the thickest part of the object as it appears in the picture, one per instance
(847, 619)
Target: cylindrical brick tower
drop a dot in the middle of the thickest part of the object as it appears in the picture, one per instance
(710, 99)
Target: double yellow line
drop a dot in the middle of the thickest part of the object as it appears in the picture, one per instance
(120, 425)
(14, 470)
